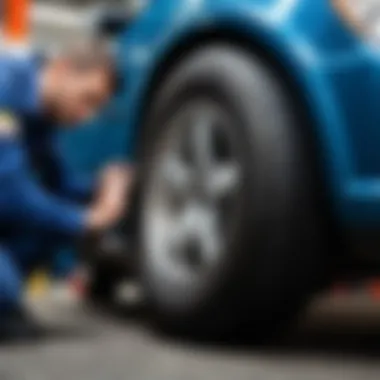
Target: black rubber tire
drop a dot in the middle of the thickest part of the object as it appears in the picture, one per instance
(277, 258)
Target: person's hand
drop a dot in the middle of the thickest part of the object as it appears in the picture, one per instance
(115, 177)
(112, 198)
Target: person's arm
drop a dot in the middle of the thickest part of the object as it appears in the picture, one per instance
(24, 201)
(83, 188)
(74, 186)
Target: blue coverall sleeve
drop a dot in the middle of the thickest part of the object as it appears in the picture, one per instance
(63, 180)
(24, 201)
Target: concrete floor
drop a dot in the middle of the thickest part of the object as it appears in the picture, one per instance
(340, 343)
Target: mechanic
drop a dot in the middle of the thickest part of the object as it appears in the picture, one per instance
(40, 201)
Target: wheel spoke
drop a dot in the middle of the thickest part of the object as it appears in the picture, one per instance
(202, 141)
(224, 180)
(167, 240)
(176, 174)
(210, 237)
(180, 228)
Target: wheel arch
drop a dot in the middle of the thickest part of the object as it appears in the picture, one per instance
(236, 38)
(292, 85)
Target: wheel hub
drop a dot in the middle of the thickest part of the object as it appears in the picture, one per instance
(184, 217)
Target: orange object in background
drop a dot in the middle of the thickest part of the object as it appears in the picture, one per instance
(16, 21)
(374, 289)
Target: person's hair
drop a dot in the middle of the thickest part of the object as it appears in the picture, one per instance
(94, 54)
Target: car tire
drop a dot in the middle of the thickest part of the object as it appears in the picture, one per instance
(275, 254)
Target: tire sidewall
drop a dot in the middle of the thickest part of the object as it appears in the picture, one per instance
(263, 246)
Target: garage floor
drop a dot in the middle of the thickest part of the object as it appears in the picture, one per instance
(339, 341)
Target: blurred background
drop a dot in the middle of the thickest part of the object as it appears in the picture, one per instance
(58, 21)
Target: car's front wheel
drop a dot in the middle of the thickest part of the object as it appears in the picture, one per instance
(230, 231)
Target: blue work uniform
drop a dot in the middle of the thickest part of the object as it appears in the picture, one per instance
(38, 196)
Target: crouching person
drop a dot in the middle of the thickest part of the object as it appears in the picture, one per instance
(37, 98)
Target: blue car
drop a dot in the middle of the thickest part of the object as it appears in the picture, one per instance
(255, 128)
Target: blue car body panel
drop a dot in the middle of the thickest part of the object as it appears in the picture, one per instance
(337, 72)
